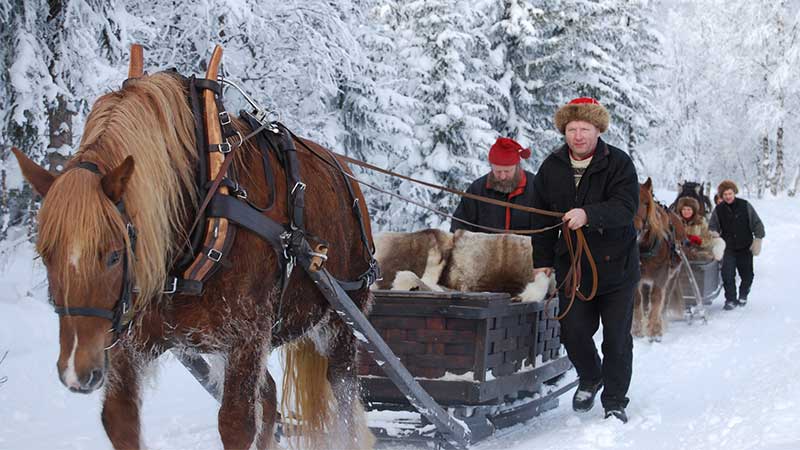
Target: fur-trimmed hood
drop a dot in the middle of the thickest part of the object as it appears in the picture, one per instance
(691, 203)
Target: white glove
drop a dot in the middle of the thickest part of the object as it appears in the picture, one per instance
(755, 247)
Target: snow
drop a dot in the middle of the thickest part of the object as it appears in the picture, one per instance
(731, 383)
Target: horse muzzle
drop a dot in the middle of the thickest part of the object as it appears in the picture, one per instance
(82, 384)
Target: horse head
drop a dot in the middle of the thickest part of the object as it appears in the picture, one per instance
(104, 226)
(83, 242)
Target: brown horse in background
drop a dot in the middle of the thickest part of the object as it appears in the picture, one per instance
(142, 141)
(659, 231)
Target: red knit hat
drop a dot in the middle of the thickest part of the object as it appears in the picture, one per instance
(507, 152)
(586, 109)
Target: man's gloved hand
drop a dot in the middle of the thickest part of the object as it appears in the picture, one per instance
(755, 247)
(695, 240)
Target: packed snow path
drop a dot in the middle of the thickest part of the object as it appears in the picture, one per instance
(730, 384)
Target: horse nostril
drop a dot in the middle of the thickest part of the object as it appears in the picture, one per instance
(95, 378)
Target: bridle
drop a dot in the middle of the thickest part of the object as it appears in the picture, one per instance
(118, 315)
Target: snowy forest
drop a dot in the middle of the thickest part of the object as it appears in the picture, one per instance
(697, 89)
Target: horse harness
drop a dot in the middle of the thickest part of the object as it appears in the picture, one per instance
(287, 240)
(226, 200)
(655, 246)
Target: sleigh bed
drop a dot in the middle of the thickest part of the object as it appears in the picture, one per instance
(491, 361)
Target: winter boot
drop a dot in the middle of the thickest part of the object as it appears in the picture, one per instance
(742, 301)
(729, 305)
(583, 400)
(618, 412)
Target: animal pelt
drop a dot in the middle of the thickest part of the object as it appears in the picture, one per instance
(482, 262)
(406, 280)
(423, 253)
(467, 262)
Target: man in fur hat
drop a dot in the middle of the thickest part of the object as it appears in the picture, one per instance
(508, 182)
(596, 184)
(737, 222)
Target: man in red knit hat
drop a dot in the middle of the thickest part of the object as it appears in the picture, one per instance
(596, 186)
(507, 181)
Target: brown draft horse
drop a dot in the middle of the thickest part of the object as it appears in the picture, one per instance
(659, 230)
(142, 140)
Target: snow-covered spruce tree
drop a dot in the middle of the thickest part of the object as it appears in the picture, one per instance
(516, 38)
(589, 49)
(639, 49)
(377, 117)
(54, 62)
(449, 82)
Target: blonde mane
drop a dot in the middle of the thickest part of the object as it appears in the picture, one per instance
(150, 120)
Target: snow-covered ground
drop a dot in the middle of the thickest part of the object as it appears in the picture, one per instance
(729, 384)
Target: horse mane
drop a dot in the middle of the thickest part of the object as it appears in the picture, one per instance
(655, 217)
(150, 120)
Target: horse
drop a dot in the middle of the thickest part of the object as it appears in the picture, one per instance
(696, 191)
(658, 232)
(138, 150)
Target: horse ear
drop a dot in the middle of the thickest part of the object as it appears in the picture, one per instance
(37, 176)
(648, 184)
(115, 182)
(136, 67)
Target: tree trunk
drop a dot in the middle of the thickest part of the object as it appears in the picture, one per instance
(763, 181)
(60, 124)
(795, 186)
(777, 179)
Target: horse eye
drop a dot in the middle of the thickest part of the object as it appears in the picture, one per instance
(113, 258)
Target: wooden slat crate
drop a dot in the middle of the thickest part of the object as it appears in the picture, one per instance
(465, 348)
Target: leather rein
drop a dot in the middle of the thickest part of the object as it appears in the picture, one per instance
(576, 250)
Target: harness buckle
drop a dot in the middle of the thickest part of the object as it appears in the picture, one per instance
(299, 185)
(225, 147)
(224, 118)
(172, 289)
(214, 255)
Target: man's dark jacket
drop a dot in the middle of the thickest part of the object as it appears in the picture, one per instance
(609, 193)
(737, 223)
(494, 216)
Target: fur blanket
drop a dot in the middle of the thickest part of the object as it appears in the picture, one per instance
(433, 260)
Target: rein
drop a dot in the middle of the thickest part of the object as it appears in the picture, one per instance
(572, 280)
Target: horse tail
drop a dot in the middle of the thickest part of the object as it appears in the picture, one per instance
(307, 402)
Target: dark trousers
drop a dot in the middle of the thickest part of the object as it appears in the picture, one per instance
(615, 309)
(733, 260)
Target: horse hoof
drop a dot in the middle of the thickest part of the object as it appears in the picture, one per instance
(656, 339)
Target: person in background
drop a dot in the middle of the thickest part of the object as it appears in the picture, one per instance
(703, 245)
(596, 184)
(741, 228)
(506, 181)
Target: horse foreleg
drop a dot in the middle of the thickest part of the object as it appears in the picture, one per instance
(244, 422)
(655, 320)
(121, 403)
(638, 312)
(351, 430)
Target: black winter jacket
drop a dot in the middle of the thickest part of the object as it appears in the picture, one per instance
(609, 193)
(737, 223)
(494, 216)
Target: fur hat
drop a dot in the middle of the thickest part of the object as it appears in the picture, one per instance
(507, 152)
(725, 185)
(586, 109)
(691, 203)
